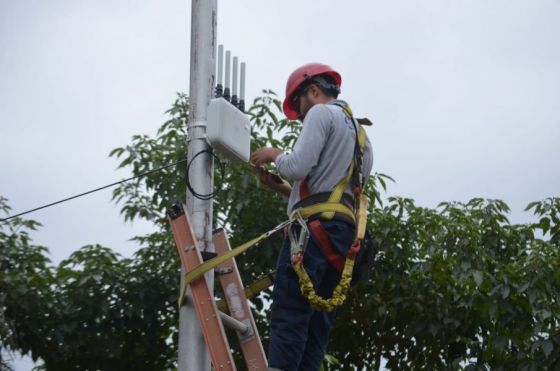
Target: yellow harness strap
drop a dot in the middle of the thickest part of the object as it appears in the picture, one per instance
(338, 190)
(322, 208)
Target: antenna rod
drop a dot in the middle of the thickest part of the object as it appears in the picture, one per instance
(220, 86)
(227, 95)
(234, 83)
(242, 88)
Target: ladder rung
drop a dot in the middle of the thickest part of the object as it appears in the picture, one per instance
(242, 328)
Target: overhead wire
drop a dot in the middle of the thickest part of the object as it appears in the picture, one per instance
(97, 189)
(189, 186)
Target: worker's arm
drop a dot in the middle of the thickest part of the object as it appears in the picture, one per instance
(309, 145)
(307, 150)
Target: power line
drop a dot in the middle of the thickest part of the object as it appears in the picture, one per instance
(94, 190)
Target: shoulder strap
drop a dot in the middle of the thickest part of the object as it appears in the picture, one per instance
(355, 167)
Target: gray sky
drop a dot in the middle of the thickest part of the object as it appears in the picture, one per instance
(464, 94)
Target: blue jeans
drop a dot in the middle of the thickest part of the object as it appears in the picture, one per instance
(299, 334)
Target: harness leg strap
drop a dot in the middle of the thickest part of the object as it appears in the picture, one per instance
(336, 261)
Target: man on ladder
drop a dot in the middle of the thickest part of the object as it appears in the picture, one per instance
(327, 166)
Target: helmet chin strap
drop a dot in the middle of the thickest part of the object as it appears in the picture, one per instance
(301, 116)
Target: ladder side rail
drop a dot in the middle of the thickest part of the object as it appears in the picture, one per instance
(238, 304)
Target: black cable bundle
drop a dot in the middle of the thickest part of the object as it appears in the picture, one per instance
(213, 194)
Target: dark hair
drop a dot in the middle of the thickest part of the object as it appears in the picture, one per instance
(326, 84)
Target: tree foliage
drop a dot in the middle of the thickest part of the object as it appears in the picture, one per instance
(460, 287)
(92, 311)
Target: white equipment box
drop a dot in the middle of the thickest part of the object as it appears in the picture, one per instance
(229, 130)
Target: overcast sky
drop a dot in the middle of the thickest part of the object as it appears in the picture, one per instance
(464, 94)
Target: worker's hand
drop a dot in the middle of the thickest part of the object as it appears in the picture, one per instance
(264, 155)
(268, 178)
(273, 181)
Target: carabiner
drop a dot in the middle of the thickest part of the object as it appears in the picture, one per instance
(298, 243)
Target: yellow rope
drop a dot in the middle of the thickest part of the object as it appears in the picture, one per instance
(339, 294)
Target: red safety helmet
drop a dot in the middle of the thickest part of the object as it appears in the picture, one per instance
(298, 77)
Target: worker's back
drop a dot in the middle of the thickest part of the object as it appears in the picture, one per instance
(323, 152)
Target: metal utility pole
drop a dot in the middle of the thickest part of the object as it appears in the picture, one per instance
(193, 355)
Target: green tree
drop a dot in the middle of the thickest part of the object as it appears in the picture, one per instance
(25, 276)
(460, 287)
(93, 311)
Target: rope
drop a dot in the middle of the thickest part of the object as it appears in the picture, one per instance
(341, 290)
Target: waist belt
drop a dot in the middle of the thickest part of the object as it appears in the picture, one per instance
(313, 206)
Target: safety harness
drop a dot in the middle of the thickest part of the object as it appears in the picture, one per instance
(308, 213)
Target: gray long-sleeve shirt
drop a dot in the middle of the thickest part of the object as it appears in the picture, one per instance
(323, 152)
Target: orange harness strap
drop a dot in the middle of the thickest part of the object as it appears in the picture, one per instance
(336, 261)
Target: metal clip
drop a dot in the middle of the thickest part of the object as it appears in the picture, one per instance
(298, 243)
(380, 256)
(224, 270)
